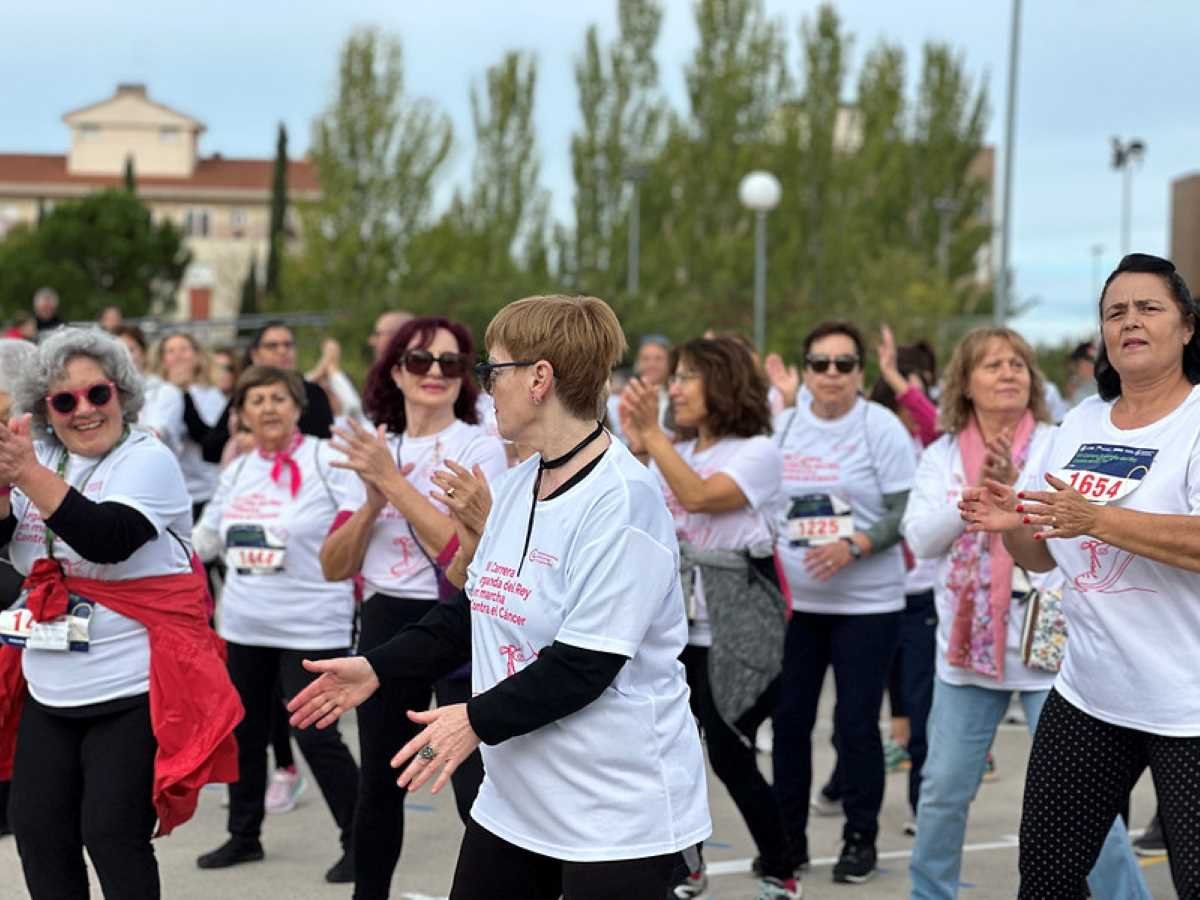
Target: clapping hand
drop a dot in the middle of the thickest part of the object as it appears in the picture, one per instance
(468, 497)
(16, 449)
(997, 463)
(990, 507)
(1063, 512)
(366, 452)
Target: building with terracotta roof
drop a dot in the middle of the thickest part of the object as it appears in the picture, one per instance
(223, 206)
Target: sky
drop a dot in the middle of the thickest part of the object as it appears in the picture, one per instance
(1088, 71)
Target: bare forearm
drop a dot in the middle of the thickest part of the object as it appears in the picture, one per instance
(343, 551)
(43, 488)
(1174, 540)
(687, 486)
(1028, 552)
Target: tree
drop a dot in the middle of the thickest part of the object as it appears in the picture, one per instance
(377, 152)
(130, 180)
(249, 304)
(279, 202)
(101, 250)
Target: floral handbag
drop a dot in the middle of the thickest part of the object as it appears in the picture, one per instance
(1044, 634)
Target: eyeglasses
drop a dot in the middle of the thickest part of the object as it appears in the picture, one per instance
(65, 402)
(682, 377)
(486, 372)
(419, 362)
(821, 363)
(272, 346)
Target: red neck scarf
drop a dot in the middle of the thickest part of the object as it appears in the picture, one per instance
(283, 460)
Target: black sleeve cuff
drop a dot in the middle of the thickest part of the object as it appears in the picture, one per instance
(429, 649)
(104, 533)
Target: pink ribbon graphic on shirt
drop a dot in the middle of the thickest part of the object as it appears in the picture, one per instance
(282, 459)
(514, 655)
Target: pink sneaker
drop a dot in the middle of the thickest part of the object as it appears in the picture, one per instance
(284, 790)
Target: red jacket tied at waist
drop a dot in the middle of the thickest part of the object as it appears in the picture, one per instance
(193, 705)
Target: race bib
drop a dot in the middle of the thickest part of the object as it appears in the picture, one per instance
(815, 519)
(253, 550)
(67, 632)
(1107, 472)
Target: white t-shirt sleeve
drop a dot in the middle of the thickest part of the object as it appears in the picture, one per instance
(138, 482)
(488, 453)
(892, 449)
(347, 488)
(931, 520)
(621, 578)
(757, 469)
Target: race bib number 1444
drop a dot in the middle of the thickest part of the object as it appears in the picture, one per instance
(1107, 472)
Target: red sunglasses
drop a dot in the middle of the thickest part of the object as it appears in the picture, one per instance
(97, 395)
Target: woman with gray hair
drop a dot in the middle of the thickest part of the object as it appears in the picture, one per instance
(110, 668)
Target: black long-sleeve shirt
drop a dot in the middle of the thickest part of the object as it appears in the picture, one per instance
(105, 533)
(316, 420)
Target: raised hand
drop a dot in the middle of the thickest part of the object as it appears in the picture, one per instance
(639, 409)
(784, 378)
(367, 453)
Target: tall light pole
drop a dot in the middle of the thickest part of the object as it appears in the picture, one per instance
(946, 207)
(1097, 254)
(1003, 284)
(635, 175)
(1125, 157)
(760, 191)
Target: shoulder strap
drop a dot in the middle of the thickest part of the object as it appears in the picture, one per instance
(321, 472)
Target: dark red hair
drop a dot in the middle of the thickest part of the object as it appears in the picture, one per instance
(383, 401)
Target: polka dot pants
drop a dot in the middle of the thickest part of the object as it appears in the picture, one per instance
(1081, 770)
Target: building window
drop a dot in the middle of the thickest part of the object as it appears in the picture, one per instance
(89, 132)
(195, 223)
(237, 222)
(169, 134)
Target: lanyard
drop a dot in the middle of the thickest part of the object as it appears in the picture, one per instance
(60, 471)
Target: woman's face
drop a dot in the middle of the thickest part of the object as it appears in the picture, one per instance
(178, 355)
(88, 429)
(510, 391)
(432, 390)
(271, 414)
(833, 388)
(223, 373)
(135, 350)
(1000, 382)
(686, 392)
(1143, 327)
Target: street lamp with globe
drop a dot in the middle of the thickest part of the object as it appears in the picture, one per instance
(759, 191)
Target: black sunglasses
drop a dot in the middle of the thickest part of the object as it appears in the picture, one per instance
(820, 363)
(485, 372)
(97, 395)
(419, 362)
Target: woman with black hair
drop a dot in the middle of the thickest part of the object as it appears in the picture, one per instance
(1120, 520)
(720, 482)
(848, 466)
(423, 398)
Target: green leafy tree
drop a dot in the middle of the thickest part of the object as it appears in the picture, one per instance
(101, 250)
(130, 179)
(279, 203)
(250, 289)
(377, 152)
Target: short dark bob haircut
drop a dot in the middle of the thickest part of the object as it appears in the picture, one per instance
(826, 329)
(383, 401)
(261, 376)
(1108, 381)
(735, 390)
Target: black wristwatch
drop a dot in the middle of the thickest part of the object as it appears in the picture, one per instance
(856, 552)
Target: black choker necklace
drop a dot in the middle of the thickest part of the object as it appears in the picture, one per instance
(543, 465)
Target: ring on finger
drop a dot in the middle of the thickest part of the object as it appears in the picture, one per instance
(450, 491)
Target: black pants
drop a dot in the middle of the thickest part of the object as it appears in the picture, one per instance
(489, 867)
(860, 649)
(383, 728)
(85, 781)
(1080, 772)
(255, 671)
(733, 759)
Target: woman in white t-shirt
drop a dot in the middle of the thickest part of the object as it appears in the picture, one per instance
(162, 411)
(573, 620)
(421, 391)
(847, 470)
(720, 483)
(995, 418)
(129, 708)
(182, 362)
(272, 510)
(1120, 521)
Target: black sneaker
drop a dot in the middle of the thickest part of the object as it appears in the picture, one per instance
(1152, 842)
(799, 863)
(856, 865)
(342, 871)
(234, 851)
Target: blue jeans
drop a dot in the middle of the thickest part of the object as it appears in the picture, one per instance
(962, 724)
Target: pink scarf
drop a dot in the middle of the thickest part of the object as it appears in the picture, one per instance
(981, 570)
(283, 460)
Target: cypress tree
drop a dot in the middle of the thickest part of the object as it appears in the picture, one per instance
(279, 201)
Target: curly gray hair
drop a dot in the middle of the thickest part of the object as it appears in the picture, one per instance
(16, 358)
(50, 366)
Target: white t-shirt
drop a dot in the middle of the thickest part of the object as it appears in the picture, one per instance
(846, 465)
(140, 473)
(394, 563)
(162, 412)
(923, 575)
(296, 608)
(1133, 625)
(200, 476)
(754, 465)
(622, 778)
(932, 523)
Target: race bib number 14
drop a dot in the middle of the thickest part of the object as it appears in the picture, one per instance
(1107, 472)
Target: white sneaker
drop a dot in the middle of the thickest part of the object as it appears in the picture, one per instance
(284, 790)
(776, 889)
(820, 805)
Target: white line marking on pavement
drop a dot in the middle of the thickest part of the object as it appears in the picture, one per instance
(742, 866)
